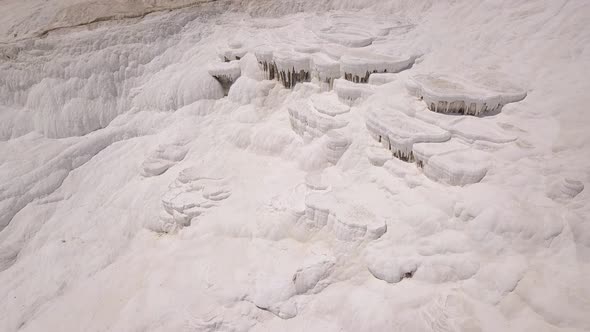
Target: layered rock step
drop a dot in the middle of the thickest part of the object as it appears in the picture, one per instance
(440, 156)
(322, 116)
(398, 132)
(469, 128)
(328, 104)
(317, 116)
(457, 95)
(286, 66)
(338, 139)
(336, 143)
(189, 196)
(452, 162)
(357, 67)
(343, 216)
(297, 65)
(351, 93)
(305, 119)
(226, 73)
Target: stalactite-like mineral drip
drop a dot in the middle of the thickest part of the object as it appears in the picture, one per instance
(453, 95)
(269, 69)
(291, 77)
(357, 69)
(292, 68)
(398, 132)
(226, 73)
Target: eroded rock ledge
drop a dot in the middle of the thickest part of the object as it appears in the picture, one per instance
(398, 132)
(291, 67)
(457, 95)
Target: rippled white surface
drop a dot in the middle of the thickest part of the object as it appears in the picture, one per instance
(135, 196)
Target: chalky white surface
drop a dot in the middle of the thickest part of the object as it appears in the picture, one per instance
(134, 196)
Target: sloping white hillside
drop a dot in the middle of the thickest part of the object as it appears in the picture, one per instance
(274, 165)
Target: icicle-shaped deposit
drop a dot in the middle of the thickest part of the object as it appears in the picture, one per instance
(399, 132)
(264, 56)
(286, 66)
(225, 73)
(292, 67)
(357, 68)
(453, 95)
